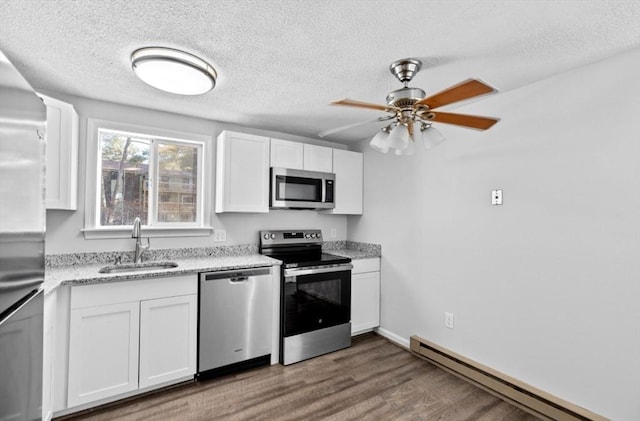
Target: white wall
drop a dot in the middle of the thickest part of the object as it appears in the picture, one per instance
(545, 288)
(63, 227)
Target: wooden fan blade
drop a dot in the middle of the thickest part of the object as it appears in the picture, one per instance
(468, 89)
(353, 103)
(472, 121)
(350, 126)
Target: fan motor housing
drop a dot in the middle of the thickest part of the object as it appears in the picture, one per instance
(404, 98)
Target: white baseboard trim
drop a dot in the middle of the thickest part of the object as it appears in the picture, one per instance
(397, 339)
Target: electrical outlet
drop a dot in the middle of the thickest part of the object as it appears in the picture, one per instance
(219, 236)
(334, 233)
(496, 197)
(448, 319)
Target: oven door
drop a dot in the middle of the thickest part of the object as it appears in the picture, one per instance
(315, 298)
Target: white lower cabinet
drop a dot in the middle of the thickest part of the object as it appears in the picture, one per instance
(103, 352)
(365, 295)
(125, 336)
(167, 339)
(48, 347)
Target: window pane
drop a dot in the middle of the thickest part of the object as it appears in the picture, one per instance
(177, 188)
(124, 178)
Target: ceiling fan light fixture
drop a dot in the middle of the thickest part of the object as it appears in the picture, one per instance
(380, 141)
(399, 137)
(173, 71)
(410, 149)
(431, 137)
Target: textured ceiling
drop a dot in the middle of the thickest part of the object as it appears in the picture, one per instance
(281, 61)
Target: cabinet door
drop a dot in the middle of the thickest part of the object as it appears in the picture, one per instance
(318, 158)
(365, 302)
(348, 167)
(21, 362)
(62, 155)
(48, 353)
(167, 339)
(103, 352)
(287, 154)
(242, 173)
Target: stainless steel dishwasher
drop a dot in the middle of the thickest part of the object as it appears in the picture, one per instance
(234, 321)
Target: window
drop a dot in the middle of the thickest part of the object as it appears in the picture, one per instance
(146, 173)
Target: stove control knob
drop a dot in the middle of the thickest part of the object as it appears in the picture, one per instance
(273, 236)
(307, 235)
(266, 236)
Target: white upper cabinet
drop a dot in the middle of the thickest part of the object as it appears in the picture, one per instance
(287, 154)
(62, 155)
(242, 173)
(318, 158)
(348, 167)
(301, 156)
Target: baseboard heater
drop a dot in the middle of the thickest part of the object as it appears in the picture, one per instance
(520, 394)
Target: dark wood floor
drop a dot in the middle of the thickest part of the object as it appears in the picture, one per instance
(372, 380)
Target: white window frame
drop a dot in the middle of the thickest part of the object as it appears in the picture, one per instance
(202, 226)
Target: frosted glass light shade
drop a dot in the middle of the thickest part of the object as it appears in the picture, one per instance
(431, 137)
(173, 70)
(409, 150)
(399, 137)
(380, 141)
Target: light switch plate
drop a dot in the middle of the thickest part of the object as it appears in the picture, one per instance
(496, 197)
(448, 319)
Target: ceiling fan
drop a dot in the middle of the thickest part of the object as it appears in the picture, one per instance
(409, 107)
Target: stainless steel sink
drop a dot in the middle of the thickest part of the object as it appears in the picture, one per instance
(137, 267)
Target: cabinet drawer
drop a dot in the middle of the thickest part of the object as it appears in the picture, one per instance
(366, 265)
(132, 290)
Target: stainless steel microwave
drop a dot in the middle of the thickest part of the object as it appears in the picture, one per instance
(299, 189)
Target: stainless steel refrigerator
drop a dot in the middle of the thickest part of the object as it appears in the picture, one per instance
(22, 231)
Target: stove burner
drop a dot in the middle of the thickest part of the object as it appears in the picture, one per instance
(297, 248)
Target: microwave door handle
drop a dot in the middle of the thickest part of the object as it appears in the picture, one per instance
(324, 190)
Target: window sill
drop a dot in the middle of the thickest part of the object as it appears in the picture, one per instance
(151, 232)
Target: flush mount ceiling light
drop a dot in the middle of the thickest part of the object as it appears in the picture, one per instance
(412, 111)
(173, 70)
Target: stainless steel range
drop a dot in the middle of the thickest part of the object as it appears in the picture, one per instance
(315, 315)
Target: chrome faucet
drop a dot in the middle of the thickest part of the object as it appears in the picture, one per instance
(137, 234)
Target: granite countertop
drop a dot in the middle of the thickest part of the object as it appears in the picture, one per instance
(88, 274)
(83, 268)
(355, 254)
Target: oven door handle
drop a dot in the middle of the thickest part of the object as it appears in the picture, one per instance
(316, 270)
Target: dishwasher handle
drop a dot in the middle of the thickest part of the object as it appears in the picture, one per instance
(237, 276)
(238, 279)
